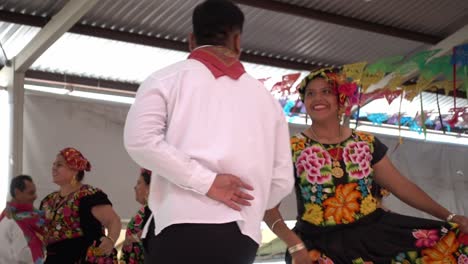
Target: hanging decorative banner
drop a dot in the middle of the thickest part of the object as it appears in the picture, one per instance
(360, 83)
(457, 112)
(377, 118)
(384, 65)
(463, 124)
(423, 83)
(436, 67)
(410, 92)
(369, 78)
(460, 55)
(391, 95)
(423, 116)
(460, 58)
(416, 62)
(367, 97)
(396, 82)
(354, 71)
(284, 86)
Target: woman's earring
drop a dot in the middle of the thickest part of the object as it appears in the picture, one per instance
(74, 182)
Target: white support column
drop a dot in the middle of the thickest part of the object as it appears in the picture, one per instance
(13, 76)
(14, 82)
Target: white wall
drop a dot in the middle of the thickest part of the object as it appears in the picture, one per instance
(95, 128)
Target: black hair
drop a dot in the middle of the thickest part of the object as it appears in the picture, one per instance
(320, 74)
(146, 175)
(19, 182)
(80, 175)
(214, 20)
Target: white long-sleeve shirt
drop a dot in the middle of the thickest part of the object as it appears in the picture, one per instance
(13, 244)
(187, 127)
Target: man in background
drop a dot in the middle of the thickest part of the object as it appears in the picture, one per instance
(21, 225)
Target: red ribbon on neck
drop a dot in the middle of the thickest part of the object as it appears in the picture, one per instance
(220, 61)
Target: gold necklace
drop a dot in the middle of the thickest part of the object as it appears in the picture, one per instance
(337, 171)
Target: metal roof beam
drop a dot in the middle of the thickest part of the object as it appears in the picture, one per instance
(65, 79)
(53, 30)
(149, 41)
(340, 20)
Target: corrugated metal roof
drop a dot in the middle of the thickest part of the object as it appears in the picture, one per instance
(305, 39)
(267, 33)
(105, 59)
(274, 34)
(440, 18)
(15, 37)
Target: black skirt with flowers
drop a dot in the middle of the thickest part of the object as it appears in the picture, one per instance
(385, 237)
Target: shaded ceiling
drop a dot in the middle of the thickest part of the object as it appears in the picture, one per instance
(292, 34)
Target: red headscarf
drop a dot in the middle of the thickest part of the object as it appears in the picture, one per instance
(75, 159)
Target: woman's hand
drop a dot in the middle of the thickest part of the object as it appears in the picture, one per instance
(462, 222)
(106, 246)
(301, 257)
(134, 238)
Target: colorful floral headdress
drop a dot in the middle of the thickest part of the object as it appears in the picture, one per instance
(75, 159)
(346, 88)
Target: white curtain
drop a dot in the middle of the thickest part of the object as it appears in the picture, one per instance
(95, 128)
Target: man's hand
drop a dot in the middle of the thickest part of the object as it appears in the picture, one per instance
(230, 190)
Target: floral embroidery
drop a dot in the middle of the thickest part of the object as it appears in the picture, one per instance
(331, 201)
(446, 250)
(365, 136)
(132, 253)
(463, 259)
(357, 157)
(368, 205)
(313, 214)
(463, 239)
(94, 255)
(64, 214)
(442, 251)
(316, 163)
(318, 257)
(343, 206)
(426, 238)
(297, 144)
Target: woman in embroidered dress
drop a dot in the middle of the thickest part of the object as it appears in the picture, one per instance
(132, 250)
(77, 215)
(339, 220)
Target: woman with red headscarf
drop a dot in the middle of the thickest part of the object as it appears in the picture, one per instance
(77, 214)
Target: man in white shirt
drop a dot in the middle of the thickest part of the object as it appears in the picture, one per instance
(21, 226)
(218, 142)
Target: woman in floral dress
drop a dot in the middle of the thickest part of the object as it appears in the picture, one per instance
(339, 220)
(132, 250)
(77, 214)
